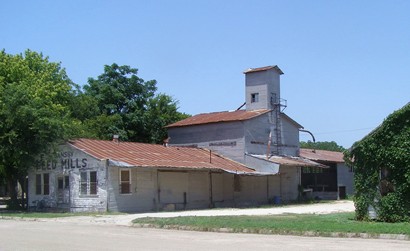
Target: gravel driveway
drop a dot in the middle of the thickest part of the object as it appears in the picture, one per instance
(125, 220)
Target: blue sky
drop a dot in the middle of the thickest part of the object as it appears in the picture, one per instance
(346, 63)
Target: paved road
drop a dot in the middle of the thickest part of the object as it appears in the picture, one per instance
(49, 235)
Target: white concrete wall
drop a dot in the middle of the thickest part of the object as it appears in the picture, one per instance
(71, 162)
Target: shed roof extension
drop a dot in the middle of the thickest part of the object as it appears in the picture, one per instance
(322, 155)
(131, 154)
(290, 161)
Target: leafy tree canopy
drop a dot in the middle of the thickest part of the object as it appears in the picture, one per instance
(381, 162)
(324, 145)
(34, 110)
(119, 102)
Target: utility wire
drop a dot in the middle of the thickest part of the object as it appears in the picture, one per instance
(342, 131)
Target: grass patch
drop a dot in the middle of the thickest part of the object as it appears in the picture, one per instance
(289, 223)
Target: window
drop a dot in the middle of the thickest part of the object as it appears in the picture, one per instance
(43, 184)
(125, 181)
(60, 182)
(83, 182)
(63, 182)
(93, 182)
(254, 97)
(312, 170)
(88, 183)
(66, 182)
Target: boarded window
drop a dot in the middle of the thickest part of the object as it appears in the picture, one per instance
(125, 181)
(38, 184)
(46, 185)
(93, 182)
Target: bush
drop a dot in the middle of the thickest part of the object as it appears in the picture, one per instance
(382, 169)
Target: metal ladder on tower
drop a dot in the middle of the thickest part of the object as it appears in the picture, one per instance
(276, 106)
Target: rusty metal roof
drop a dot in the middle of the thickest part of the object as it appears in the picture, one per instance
(322, 155)
(215, 117)
(289, 161)
(133, 154)
(294, 161)
(265, 68)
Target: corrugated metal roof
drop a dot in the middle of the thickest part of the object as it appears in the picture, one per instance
(291, 161)
(149, 155)
(215, 117)
(322, 155)
(265, 68)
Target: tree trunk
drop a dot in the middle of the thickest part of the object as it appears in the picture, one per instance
(13, 192)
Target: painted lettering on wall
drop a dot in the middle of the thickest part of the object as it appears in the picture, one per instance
(223, 143)
(64, 160)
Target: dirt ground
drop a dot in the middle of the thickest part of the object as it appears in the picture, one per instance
(126, 219)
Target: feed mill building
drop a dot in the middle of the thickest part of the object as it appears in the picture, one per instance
(224, 159)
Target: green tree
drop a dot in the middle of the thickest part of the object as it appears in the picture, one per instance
(322, 145)
(162, 110)
(34, 113)
(127, 106)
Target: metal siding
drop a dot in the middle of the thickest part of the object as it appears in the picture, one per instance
(217, 187)
(198, 189)
(204, 135)
(289, 181)
(253, 191)
(274, 186)
(345, 178)
(172, 185)
(264, 83)
(290, 138)
(257, 134)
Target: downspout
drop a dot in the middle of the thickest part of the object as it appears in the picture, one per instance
(210, 191)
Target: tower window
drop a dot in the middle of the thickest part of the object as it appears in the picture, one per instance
(254, 97)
